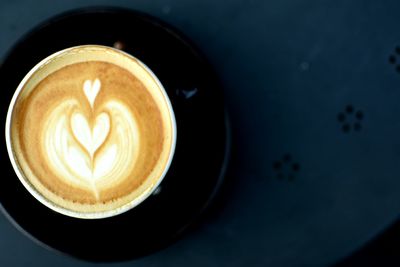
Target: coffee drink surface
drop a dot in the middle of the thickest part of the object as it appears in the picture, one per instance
(91, 132)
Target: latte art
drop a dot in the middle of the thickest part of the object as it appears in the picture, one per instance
(91, 133)
(90, 149)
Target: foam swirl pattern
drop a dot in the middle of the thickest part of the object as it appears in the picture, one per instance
(91, 154)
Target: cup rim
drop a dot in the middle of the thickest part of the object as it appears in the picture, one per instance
(101, 214)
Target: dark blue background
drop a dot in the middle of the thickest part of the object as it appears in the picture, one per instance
(288, 67)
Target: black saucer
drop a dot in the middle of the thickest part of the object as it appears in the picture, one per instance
(202, 145)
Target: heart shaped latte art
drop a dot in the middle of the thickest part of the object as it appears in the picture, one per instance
(90, 139)
(91, 90)
(91, 153)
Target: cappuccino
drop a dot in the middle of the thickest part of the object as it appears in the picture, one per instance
(90, 132)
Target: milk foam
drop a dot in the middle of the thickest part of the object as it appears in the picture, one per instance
(93, 153)
(90, 132)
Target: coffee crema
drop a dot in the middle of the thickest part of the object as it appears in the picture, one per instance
(91, 136)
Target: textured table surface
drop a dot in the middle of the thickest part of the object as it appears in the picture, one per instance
(313, 99)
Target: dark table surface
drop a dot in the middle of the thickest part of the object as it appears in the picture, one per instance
(312, 90)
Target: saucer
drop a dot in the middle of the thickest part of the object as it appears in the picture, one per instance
(202, 148)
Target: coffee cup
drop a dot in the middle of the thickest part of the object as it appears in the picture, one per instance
(90, 132)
